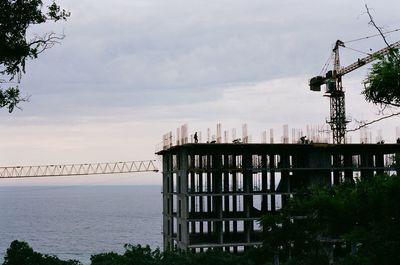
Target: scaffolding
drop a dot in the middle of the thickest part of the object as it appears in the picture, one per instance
(215, 194)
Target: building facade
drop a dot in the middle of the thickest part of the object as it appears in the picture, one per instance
(215, 194)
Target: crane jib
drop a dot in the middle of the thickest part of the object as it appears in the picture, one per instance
(317, 81)
(370, 58)
(78, 169)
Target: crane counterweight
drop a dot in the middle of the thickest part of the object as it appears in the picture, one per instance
(316, 83)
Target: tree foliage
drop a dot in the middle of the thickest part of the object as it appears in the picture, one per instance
(140, 255)
(20, 253)
(16, 17)
(382, 85)
(355, 223)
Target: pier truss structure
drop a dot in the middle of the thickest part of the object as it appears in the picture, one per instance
(78, 169)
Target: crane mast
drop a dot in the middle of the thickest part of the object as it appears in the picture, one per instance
(335, 93)
(334, 88)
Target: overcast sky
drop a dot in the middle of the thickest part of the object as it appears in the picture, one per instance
(130, 71)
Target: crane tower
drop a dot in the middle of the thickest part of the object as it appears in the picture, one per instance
(334, 88)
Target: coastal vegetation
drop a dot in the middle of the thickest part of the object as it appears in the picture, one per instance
(352, 223)
(20, 253)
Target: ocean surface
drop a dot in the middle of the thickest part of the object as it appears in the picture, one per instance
(74, 222)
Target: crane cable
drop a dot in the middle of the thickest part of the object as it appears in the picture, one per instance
(366, 53)
(328, 62)
(326, 65)
(375, 35)
(362, 52)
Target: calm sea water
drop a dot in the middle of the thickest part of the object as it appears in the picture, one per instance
(75, 222)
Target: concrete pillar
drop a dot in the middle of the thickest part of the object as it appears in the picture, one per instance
(247, 199)
(379, 164)
(217, 200)
(348, 164)
(320, 161)
(336, 172)
(272, 188)
(367, 170)
(192, 198)
(285, 177)
(234, 188)
(182, 199)
(226, 190)
(201, 206)
(209, 198)
(167, 202)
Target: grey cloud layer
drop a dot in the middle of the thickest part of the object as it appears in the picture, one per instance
(151, 52)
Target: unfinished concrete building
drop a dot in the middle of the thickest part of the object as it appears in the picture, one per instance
(214, 194)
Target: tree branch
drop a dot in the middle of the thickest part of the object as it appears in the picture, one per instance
(365, 124)
(372, 22)
(46, 42)
(385, 103)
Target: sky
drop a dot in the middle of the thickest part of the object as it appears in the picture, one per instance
(128, 72)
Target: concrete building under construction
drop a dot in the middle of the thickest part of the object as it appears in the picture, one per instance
(215, 193)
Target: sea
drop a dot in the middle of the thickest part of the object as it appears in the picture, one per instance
(75, 222)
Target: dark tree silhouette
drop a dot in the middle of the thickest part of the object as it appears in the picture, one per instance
(16, 17)
(20, 253)
(348, 224)
(383, 83)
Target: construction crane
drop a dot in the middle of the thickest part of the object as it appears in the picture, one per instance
(78, 169)
(334, 88)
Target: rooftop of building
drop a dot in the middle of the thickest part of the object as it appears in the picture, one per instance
(279, 147)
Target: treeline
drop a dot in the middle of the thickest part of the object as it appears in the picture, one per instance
(353, 223)
(20, 253)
